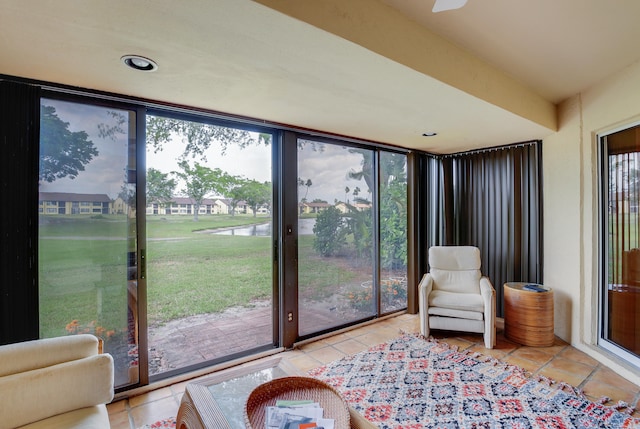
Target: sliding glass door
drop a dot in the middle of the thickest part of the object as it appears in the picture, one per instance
(87, 228)
(352, 234)
(620, 303)
(209, 242)
(335, 236)
(393, 231)
(179, 265)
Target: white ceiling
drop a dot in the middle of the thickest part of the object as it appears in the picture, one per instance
(244, 58)
(556, 47)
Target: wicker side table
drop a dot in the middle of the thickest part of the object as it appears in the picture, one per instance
(528, 315)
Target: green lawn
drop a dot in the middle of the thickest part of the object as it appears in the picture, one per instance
(83, 269)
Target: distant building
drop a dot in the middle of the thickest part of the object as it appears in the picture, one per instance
(317, 207)
(65, 203)
(358, 206)
(209, 206)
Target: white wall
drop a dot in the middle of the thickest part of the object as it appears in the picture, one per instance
(571, 242)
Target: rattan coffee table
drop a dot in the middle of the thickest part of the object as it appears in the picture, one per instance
(217, 402)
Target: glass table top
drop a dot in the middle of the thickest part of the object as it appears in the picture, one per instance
(230, 395)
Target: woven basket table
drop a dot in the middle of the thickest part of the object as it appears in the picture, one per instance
(296, 389)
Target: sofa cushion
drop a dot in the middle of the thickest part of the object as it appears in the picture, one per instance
(36, 354)
(35, 395)
(95, 417)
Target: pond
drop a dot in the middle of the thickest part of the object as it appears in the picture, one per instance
(305, 227)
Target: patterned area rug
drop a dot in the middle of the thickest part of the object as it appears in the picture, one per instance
(413, 383)
(161, 424)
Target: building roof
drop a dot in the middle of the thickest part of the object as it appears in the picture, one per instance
(72, 197)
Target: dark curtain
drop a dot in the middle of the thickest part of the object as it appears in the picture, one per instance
(493, 200)
(426, 221)
(19, 158)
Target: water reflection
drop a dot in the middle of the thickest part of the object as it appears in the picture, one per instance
(305, 227)
(263, 230)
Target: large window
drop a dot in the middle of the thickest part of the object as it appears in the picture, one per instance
(87, 235)
(620, 297)
(180, 239)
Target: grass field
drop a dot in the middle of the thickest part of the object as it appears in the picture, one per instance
(83, 269)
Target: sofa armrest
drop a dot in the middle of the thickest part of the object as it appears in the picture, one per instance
(34, 395)
(29, 355)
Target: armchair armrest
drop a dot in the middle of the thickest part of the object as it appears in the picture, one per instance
(486, 289)
(424, 290)
(489, 297)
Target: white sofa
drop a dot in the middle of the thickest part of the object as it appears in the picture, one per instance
(53, 383)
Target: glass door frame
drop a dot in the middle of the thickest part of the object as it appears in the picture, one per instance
(138, 133)
(602, 263)
(192, 115)
(288, 243)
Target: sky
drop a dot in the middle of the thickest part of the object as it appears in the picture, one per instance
(327, 169)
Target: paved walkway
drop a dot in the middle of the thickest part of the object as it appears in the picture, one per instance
(207, 337)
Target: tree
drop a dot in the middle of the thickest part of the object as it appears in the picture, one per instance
(346, 192)
(128, 194)
(308, 184)
(393, 209)
(256, 194)
(160, 187)
(200, 181)
(198, 136)
(63, 153)
(235, 193)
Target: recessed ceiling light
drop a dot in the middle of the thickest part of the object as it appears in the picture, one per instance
(137, 62)
(429, 134)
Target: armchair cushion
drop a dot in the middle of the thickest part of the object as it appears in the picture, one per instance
(454, 295)
(467, 302)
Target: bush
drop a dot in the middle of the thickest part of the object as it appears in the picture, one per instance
(330, 232)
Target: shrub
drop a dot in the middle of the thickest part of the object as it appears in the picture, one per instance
(330, 232)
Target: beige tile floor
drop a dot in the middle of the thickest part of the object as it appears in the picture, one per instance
(560, 362)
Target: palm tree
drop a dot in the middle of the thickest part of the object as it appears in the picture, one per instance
(308, 184)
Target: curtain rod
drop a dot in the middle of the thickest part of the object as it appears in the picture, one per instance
(492, 149)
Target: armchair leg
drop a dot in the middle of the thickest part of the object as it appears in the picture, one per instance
(489, 339)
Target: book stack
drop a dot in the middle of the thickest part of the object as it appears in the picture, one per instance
(534, 288)
(297, 415)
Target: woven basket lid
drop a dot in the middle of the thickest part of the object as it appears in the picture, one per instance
(295, 388)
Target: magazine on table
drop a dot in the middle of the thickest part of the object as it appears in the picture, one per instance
(297, 415)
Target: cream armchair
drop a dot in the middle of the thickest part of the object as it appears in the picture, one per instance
(455, 296)
(55, 383)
